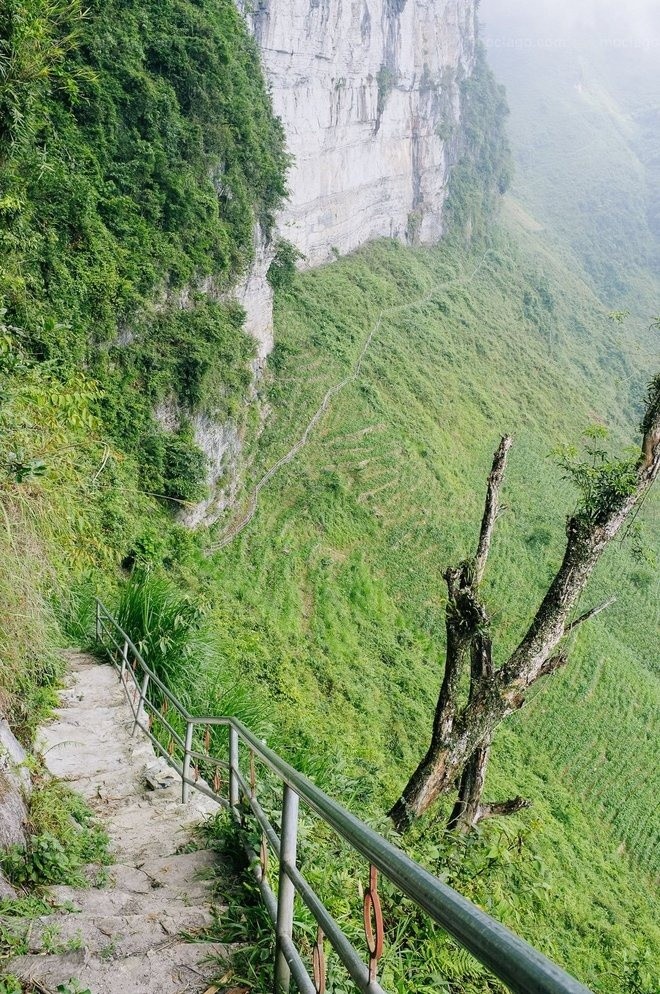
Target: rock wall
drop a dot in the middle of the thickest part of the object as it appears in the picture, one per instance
(368, 94)
(15, 789)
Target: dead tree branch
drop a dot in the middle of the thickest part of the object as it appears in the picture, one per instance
(462, 734)
(491, 507)
(593, 613)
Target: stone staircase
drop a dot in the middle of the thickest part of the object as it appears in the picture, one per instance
(136, 935)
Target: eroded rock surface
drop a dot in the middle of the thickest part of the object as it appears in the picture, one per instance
(14, 788)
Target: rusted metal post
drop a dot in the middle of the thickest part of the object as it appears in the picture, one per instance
(185, 786)
(287, 890)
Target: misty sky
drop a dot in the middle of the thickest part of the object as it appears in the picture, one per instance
(609, 22)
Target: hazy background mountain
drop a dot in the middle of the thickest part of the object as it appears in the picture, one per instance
(583, 83)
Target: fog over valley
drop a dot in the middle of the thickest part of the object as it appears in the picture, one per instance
(604, 23)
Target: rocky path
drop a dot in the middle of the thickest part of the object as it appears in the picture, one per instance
(136, 935)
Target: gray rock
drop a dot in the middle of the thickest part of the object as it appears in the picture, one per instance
(14, 788)
(6, 889)
(159, 779)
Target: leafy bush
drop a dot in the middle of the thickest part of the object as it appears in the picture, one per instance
(137, 150)
(173, 466)
(168, 629)
(602, 482)
(44, 861)
(58, 812)
(283, 267)
(65, 837)
(10, 984)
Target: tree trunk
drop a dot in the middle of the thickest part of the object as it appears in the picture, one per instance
(445, 761)
(461, 736)
(467, 810)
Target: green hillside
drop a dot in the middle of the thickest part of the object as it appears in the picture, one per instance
(396, 371)
(331, 599)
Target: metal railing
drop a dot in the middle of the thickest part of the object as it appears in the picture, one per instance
(188, 748)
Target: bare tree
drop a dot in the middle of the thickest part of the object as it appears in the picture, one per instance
(463, 730)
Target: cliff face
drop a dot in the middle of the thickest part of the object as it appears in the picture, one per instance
(368, 92)
(368, 95)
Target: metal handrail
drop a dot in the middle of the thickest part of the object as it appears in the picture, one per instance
(521, 967)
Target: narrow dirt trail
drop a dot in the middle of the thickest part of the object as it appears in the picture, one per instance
(235, 529)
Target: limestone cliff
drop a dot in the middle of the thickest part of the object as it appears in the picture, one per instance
(368, 94)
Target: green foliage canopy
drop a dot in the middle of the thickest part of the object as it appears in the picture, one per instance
(137, 151)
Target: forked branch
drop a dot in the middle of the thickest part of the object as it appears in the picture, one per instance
(463, 732)
(491, 507)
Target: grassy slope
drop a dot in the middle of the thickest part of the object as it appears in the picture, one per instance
(331, 600)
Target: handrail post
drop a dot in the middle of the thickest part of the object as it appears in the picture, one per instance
(233, 768)
(287, 890)
(97, 619)
(143, 697)
(124, 660)
(185, 786)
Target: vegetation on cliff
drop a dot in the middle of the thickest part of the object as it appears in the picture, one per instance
(484, 168)
(137, 151)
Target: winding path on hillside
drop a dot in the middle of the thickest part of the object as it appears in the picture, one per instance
(235, 529)
(143, 930)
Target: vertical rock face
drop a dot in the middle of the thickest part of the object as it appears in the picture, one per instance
(14, 788)
(255, 295)
(368, 94)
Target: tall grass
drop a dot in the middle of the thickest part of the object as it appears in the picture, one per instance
(75, 609)
(30, 666)
(168, 629)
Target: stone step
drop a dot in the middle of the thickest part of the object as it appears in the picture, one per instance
(169, 969)
(99, 903)
(182, 880)
(114, 784)
(71, 755)
(106, 786)
(151, 830)
(118, 936)
(128, 937)
(179, 870)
